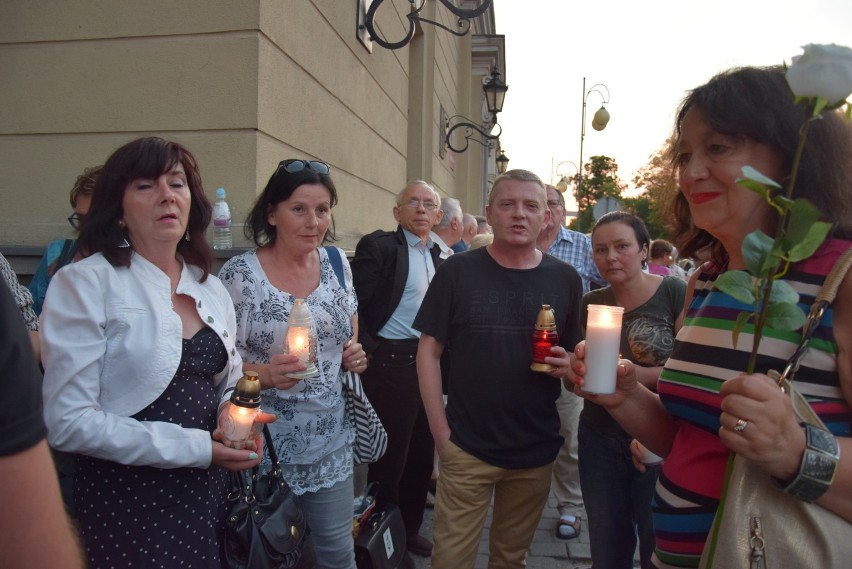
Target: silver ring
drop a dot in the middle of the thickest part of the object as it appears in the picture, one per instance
(740, 426)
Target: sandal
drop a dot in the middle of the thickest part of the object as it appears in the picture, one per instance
(568, 527)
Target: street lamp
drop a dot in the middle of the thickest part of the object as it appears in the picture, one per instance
(599, 122)
(502, 163)
(562, 185)
(495, 93)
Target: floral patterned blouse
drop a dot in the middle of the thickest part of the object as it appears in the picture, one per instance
(311, 437)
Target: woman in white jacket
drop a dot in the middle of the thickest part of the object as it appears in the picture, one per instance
(139, 357)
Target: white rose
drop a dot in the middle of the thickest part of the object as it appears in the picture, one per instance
(822, 71)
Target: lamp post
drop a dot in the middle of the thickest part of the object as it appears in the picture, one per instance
(495, 93)
(502, 163)
(563, 180)
(599, 122)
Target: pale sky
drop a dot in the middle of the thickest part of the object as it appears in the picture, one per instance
(648, 54)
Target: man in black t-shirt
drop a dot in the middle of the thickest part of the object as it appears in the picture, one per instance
(499, 434)
(34, 530)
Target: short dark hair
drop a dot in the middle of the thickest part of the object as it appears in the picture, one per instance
(148, 157)
(279, 188)
(640, 230)
(756, 102)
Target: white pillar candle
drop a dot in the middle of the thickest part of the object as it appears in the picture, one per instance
(603, 341)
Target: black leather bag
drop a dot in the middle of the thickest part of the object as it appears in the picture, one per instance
(381, 543)
(265, 528)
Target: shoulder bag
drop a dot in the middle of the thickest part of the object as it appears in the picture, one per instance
(760, 526)
(371, 439)
(265, 527)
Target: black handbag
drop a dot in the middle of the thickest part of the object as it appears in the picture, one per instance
(265, 527)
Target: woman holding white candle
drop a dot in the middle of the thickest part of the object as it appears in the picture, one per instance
(288, 272)
(139, 359)
(616, 494)
(707, 405)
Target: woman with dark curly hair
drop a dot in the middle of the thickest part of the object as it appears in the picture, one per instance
(707, 406)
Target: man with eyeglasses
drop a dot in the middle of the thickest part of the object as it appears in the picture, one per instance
(391, 271)
(62, 251)
(575, 249)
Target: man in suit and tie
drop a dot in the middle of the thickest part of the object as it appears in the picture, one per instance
(391, 271)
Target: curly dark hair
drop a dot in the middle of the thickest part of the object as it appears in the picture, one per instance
(148, 157)
(756, 103)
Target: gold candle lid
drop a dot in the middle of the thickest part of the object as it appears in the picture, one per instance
(247, 391)
(546, 319)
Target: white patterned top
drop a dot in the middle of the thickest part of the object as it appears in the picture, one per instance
(311, 437)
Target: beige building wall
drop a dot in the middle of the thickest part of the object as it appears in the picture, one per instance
(243, 84)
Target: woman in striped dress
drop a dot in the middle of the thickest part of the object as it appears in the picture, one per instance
(706, 405)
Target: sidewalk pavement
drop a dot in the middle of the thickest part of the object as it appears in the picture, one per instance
(547, 550)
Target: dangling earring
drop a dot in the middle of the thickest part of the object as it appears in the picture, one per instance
(123, 244)
(186, 236)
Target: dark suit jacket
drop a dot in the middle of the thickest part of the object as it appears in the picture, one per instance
(379, 273)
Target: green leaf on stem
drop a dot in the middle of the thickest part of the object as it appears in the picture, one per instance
(738, 284)
(750, 173)
(783, 293)
(742, 319)
(806, 246)
(784, 316)
(757, 253)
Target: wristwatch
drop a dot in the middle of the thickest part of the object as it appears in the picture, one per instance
(819, 465)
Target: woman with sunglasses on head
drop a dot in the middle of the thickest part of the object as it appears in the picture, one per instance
(62, 251)
(139, 359)
(289, 222)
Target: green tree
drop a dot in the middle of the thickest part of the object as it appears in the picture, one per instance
(656, 180)
(599, 180)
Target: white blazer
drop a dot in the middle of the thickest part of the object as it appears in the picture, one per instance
(111, 344)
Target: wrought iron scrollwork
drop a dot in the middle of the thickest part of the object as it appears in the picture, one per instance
(463, 25)
(470, 132)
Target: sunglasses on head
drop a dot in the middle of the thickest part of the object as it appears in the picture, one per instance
(293, 166)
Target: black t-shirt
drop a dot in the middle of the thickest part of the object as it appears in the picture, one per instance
(498, 409)
(21, 420)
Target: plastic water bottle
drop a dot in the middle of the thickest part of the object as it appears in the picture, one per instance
(222, 222)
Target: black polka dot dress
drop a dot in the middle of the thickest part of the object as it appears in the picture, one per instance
(141, 516)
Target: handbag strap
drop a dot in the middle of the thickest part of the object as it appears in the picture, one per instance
(336, 264)
(823, 299)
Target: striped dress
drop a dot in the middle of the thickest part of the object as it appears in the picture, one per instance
(703, 357)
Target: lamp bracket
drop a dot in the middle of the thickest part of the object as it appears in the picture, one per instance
(470, 132)
(463, 24)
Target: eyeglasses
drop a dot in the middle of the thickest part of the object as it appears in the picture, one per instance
(554, 203)
(74, 219)
(293, 166)
(417, 204)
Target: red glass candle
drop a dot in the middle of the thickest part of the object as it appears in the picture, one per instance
(544, 337)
